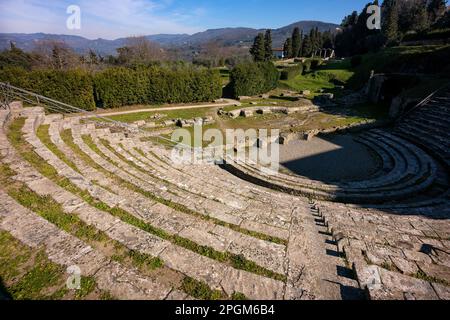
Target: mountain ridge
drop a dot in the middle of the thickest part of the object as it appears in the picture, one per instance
(223, 36)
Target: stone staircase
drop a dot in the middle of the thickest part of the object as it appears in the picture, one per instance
(394, 257)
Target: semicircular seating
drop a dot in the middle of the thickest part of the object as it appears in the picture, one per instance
(406, 170)
(213, 227)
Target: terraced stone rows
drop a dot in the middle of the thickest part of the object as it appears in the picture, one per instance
(408, 161)
(215, 274)
(170, 173)
(388, 166)
(266, 254)
(123, 174)
(421, 175)
(66, 250)
(199, 204)
(391, 252)
(304, 280)
(223, 193)
(432, 125)
(432, 130)
(433, 144)
(212, 176)
(414, 267)
(423, 168)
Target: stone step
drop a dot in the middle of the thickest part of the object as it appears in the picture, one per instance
(266, 254)
(66, 250)
(430, 129)
(348, 187)
(430, 143)
(219, 191)
(202, 206)
(431, 122)
(363, 236)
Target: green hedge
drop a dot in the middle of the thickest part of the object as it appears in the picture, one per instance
(117, 87)
(72, 87)
(289, 73)
(253, 78)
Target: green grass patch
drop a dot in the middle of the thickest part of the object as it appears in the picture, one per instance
(43, 135)
(44, 274)
(423, 276)
(237, 296)
(167, 115)
(87, 286)
(200, 290)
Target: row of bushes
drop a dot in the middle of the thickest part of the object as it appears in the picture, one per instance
(116, 87)
(252, 78)
(303, 66)
(73, 87)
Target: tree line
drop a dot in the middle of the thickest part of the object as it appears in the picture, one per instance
(299, 45)
(57, 55)
(306, 45)
(261, 49)
(399, 20)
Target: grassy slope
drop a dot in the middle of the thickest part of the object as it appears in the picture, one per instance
(321, 78)
(425, 59)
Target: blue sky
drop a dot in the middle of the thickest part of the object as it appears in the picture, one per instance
(111, 19)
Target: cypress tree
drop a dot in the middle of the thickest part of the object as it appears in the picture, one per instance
(307, 46)
(390, 25)
(258, 50)
(421, 17)
(300, 53)
(296, 42)
(288, 48)
(268, 45)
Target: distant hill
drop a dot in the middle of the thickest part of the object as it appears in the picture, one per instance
(224, 36)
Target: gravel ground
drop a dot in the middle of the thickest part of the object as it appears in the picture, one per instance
(338, 158)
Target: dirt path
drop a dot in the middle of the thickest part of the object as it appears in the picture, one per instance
(118, 113)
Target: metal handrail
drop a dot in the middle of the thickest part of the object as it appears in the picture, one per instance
(10, 92)
(424, 101)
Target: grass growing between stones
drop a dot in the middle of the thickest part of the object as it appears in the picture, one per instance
(200, 290)
(66, 136)
(53, 212)
(27, 274)
(237, 262)
(184, 209)
(423, 276)
(254, 234)
(43, 135)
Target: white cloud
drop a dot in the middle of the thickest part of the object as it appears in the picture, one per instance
(103, 18)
